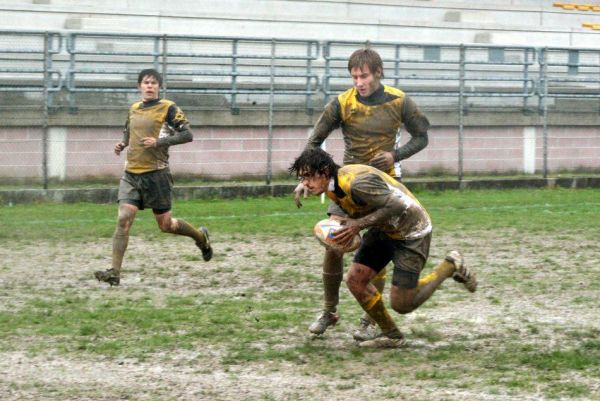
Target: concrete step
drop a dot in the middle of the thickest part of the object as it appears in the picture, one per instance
(520, 22)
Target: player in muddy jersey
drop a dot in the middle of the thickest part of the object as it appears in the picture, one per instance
(398, 230)
(370, 125)
(362, 190)
(370, 116)
(153, 125)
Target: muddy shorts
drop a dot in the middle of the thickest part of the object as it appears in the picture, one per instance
(408, 256)
(148, 190)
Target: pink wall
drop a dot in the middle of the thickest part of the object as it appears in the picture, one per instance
(224, 152)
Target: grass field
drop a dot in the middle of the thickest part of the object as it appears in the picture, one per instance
(236, 328)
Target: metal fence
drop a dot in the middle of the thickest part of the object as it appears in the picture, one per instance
(234, 74)
(193, 65)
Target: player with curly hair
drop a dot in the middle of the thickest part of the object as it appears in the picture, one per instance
(398, 230)
(370, 115)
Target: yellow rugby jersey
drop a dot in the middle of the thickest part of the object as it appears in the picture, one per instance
(370, 125)
(158, 119)
(361, 190)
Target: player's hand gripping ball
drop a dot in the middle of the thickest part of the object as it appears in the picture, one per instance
(325, 231)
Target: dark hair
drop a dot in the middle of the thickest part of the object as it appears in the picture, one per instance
(368, 57)
(152, 73)
(313, 161)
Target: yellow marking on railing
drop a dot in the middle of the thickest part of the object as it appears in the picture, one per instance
(595, 27)
(579, 7)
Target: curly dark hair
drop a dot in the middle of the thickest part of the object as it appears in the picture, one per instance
(313, 161)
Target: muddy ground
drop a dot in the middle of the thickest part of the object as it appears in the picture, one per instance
(525, 281)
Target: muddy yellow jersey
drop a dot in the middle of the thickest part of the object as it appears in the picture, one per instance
(370, 125)
(361, 190)
(160, 119)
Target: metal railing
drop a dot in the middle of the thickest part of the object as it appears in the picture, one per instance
(193, 65)
(234, 67)
(442, 70)
(26, 61)
(265, 73)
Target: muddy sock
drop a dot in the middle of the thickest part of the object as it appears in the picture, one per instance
(185, 228)
(333, 273)
(119, 246)
(375, 308)
(428, 284)
(379, 282)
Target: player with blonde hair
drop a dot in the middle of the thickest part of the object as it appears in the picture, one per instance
(370, 116)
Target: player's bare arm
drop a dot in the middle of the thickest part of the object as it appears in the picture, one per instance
(300, 192)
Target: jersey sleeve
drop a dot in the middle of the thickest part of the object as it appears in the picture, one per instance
(125, 138)
(175, 118)
(414, 120)
(416, 125)
(370, 190)
(179, 128)
(329, 120)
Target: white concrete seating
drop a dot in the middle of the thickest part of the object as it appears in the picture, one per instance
(524, 22)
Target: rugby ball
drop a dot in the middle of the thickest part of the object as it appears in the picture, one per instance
(324, 232)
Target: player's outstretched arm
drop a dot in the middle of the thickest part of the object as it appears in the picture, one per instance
(299, 192)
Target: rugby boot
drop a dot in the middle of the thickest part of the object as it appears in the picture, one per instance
(366, 330)
(462, 274)
(108, 276)
(207, 251)
(388, 340)
(324, 320)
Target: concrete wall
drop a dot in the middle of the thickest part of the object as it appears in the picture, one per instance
(223, 152)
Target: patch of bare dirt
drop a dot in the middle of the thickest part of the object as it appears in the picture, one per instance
(535, 282)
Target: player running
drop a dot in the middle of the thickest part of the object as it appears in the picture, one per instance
(370, 115)
(398, 231)
(153, 125)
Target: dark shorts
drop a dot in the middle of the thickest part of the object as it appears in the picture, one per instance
(148, 190)
(408, 256)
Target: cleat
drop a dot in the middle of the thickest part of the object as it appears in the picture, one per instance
(462, 274)
(108, 276)
(324, 320)
(366, 330)
(207, 252)
(383, 341)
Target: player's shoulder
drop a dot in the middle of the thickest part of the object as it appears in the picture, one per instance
(352, 173)
(154, 104)
(355, 169)
(391, 91)
(346, 95)
(167, 102)
(136, 105)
